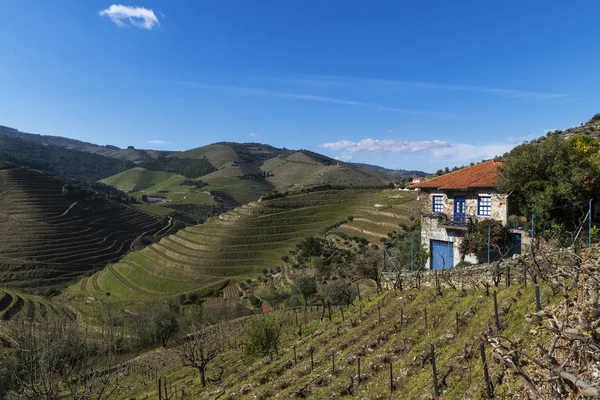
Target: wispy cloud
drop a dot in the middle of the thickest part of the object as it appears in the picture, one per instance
(391, 131)
(343, 158)
(157, 142)
(383, 84)
(385, 146)
(480, 89)
(253, 134)
(138, 17)
(242, 90)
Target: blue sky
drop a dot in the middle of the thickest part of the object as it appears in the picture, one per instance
(402, 84)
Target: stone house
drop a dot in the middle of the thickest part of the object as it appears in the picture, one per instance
(450, 200)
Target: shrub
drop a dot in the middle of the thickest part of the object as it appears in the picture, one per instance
(340, 293)
(263, 336)
(475, 240)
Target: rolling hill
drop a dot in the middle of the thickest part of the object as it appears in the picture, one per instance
(284, 169)
(237, 244)
(129, 154)
(53, 233)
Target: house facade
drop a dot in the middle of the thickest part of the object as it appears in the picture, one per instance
(450, 200)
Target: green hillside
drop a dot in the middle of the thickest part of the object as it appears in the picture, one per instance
(128, 154)
(59, 161)
(136, 179)
(396, 328)
(237, 244)
(52, 234)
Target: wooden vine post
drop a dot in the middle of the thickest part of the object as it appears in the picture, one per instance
(391, 377)
(496, 314)
(489, 390)
(457, 325)
(436, 390)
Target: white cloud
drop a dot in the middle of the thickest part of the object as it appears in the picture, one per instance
(138, 17)
(157, 142)
(343, 158)
(393, 146)
(253, 134)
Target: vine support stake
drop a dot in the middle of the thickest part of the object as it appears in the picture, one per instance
(391, 377)
(496, 315)
(489, 390)
(436, 390)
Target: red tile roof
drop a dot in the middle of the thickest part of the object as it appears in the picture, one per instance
(482, 175)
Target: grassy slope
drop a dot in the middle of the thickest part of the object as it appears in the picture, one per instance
(219, 155)
(136, 179)
(301, 170)
(457, 355)
(374, 221)
(237, 244)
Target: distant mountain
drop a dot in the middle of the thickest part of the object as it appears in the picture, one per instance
(274, 168)
(395, 173)
(284, 169)
(59, 161)
(129, 154)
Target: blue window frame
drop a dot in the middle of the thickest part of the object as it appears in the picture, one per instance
(438, 204)
(484, 206)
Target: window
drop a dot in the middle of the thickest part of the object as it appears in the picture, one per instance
(484, 206)
(438, 204)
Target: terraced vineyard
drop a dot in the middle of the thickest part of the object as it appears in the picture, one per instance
(50, 237)
(374, 222)
(15, 306)
(237, 244)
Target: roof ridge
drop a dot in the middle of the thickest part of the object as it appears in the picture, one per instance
(463, 168)
(485, 175)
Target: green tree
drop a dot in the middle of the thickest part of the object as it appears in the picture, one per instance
(554, 178)
(165, 326)
(263, 336)
(306, 287)
(340, 293)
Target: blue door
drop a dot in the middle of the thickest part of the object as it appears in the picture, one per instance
(516, 243)
(460, 208)
(442, 255)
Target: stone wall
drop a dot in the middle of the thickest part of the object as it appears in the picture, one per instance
(477, 275)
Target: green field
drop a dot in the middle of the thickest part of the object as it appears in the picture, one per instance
(237, 244)
(137, 179)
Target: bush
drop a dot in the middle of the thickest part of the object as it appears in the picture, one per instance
(463, 264)
(475, 240)
(263, 336)
(340, 293)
